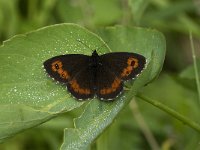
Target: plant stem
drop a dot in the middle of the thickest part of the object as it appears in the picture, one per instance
(143, 126)
(195, 65)
(171, 112)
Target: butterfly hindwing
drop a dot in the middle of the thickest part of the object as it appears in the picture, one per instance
(107, 83)
(125, 65)
(82, 84)
(62, 68)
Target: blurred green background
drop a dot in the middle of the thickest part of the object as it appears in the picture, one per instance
(175, 87)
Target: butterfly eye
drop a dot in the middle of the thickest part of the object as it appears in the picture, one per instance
(64, 75)
(132, 63)
(135, 64)
(56, 66)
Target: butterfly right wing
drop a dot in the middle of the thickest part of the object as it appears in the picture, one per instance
(64, 67)
(125, 65)
(114, 69)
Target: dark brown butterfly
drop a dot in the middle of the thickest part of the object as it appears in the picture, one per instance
(100, 75)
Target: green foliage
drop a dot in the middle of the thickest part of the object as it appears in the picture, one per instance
(189, 79)
(29, 98)
(189, 72)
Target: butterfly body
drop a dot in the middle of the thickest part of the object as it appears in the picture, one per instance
(100, 75)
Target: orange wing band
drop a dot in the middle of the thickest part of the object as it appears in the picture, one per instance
(116, 83)
(75, 86)
(131, 64)
(57, 67)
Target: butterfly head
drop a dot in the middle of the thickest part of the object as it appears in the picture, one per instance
(95, 54)
(95, 59)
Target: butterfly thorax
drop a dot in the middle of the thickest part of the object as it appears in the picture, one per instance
(95, 60)
(95, 63)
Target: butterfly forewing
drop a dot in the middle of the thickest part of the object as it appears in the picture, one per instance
(62, 68)
(125, 65)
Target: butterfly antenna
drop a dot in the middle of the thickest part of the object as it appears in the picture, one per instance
(101, 46)
(89, 47)
(84, 44)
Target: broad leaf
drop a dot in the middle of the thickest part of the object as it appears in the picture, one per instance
(29, 97)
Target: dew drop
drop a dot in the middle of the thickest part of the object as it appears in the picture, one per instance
(15, 90)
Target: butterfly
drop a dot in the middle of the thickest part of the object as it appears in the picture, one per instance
(101, 75)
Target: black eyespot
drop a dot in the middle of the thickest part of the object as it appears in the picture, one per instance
(132, 63)
(56, 66)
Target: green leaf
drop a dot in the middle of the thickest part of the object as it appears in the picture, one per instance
(99, 115)
(99, 11)
(169, 93)
(137, 8)
(8, 18)
(187, 76)
(70, 11)
(89, 12)
(189, 73)
(28, 96)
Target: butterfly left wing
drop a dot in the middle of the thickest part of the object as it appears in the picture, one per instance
(125, 65)
(73, 71)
